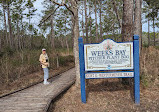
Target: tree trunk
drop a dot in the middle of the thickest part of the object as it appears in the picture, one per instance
(86, 28)
(52, 33)
(1, 36)
(72, 31)
(90, 23)
(30, 31)
(10, 27)
(18, 33)
(127, 27)
(100, 17)
(61, 41)
(114, 33)
(57, 61)
(74, 10)
(22, 33)
(67, 45)
(141, 24)
(82, 25)
(137, 20)
(154, 31)
(127, 23)
(5, 25)
(96, 19)
(17, 36)
(76, 35)
(117, 14)
(66, 38)
(148, 32)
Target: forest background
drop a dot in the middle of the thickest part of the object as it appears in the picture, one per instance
(24, 31)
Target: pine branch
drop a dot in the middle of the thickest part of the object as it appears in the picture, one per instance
(43, 20)
(63, 4)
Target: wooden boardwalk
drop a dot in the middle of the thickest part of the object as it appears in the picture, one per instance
(37, 98)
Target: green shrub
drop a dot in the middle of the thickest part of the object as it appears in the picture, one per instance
(9, 51)
(145, 44)
(14, 65)
(157, 47)
(1, 54)
(64, 59)
(145, 80)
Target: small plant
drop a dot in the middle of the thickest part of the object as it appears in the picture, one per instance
(64, 59)
(144, 80)
(145, 44)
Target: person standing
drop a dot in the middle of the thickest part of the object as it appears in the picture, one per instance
(44, 60)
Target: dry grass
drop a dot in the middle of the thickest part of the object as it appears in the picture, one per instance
(109, 95)
(29, 80)
(21, 69)
(149, 66)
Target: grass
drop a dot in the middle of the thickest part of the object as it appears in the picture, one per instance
(111, 95)
(149, 66)
(14, 65)
(145, 80)
(106, 95)
(30, 79)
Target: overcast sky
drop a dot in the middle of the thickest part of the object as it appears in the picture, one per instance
(39, 7)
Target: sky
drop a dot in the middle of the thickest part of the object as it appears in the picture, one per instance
(38, 5)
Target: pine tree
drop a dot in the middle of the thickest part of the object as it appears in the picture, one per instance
(31, 12)
(17, 17)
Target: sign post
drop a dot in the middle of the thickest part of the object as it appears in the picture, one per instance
(82, 69)
(97, 60)
(136, 69)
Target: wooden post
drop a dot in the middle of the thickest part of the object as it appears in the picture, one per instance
(136, 70)
(57, 60)
(82, 69)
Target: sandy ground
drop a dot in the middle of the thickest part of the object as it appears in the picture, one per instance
(107, 95)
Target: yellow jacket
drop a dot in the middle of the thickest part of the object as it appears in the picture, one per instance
(44, 60)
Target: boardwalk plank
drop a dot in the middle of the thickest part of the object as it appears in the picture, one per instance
(37, 98)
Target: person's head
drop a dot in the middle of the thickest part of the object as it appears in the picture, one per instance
(43, 51)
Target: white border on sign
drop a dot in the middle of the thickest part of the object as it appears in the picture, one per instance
(123, 66)
(109, 75)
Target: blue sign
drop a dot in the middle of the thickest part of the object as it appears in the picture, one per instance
(109, 55)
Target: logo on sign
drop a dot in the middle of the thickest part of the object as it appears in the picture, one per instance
(108, 45)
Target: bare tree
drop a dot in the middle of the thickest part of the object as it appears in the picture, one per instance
(9, 24)
(1, 35)
(66, 37)
(127, 23)
(95, 11)
(148, 31)
(100, 18)
(90, 20)
(5, 24)
(86, 23)
(137, 20)
(117, 13)
(73, 8)
(52, 33)
(127, 26)
(82, 24)
(154, 34)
